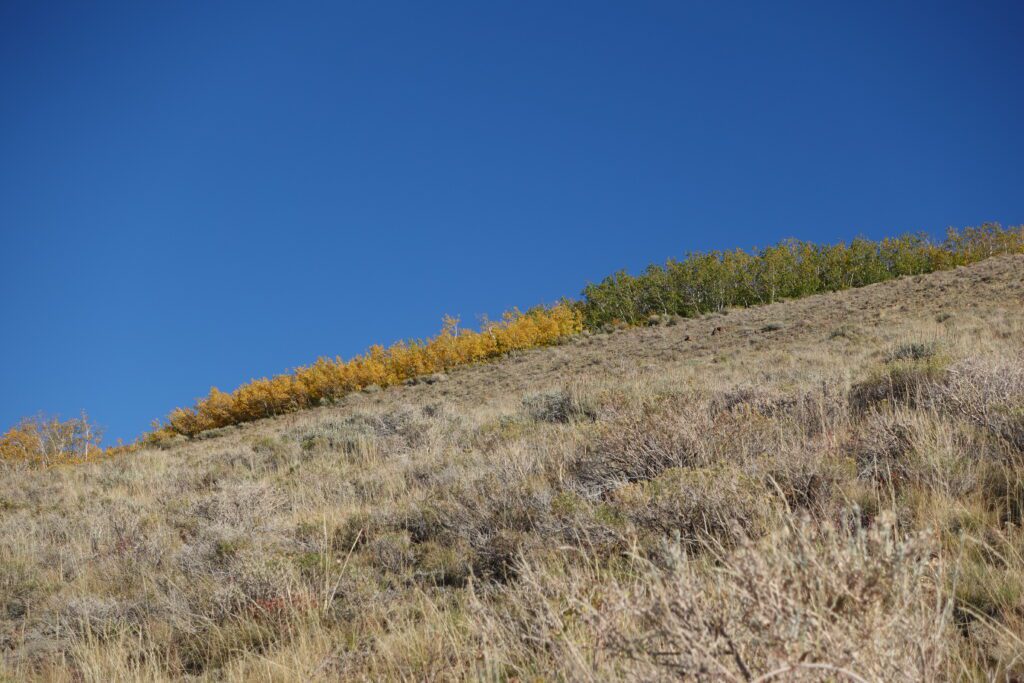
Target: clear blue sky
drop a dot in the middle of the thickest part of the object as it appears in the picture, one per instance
(197, 193)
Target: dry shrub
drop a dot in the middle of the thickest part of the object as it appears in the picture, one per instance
(990, 393)
(444, 564)
(913, 351)
(602, 526)
(749, 399)
(988, 587)
(806, 478)
(637, 446)
(391, 552)
(274, 451)
(697, 506)
(398, 430)
(806, 604)
(1003, 487)
(900, 382)
(565, 405)
(466, 527)
(883, 448)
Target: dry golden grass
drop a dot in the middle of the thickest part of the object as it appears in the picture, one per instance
(824, 489)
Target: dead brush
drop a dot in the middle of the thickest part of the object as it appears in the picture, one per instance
(900, 381)
(883, 449)
(721, 504)
(637, 446)
(990, 393)
(571, 403)
(988, 587)
(805, 478)
(808, 603)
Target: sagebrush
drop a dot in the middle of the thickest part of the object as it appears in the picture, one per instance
(703, 501)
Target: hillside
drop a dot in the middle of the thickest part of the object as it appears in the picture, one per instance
(824, 488)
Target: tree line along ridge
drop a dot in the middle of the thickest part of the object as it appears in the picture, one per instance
(698, 283)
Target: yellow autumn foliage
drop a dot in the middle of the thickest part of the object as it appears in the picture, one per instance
(46, 441)
(699, 283)
(331, 378)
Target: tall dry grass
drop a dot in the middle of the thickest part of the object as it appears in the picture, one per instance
(820, 507)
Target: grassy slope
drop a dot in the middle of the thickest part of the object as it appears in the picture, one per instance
(731, 495)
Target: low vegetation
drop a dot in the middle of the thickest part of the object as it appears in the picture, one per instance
(709, 500)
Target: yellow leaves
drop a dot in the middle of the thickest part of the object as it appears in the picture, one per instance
(698, 283)
(20, 443)
(327, 379)
(184, 421)
(42, 442)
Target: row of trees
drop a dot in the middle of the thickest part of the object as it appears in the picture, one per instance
(703, 282)
(331, 378)
(43, 441)
(699, 283)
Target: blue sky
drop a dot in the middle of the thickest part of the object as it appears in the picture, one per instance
(197, 193)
